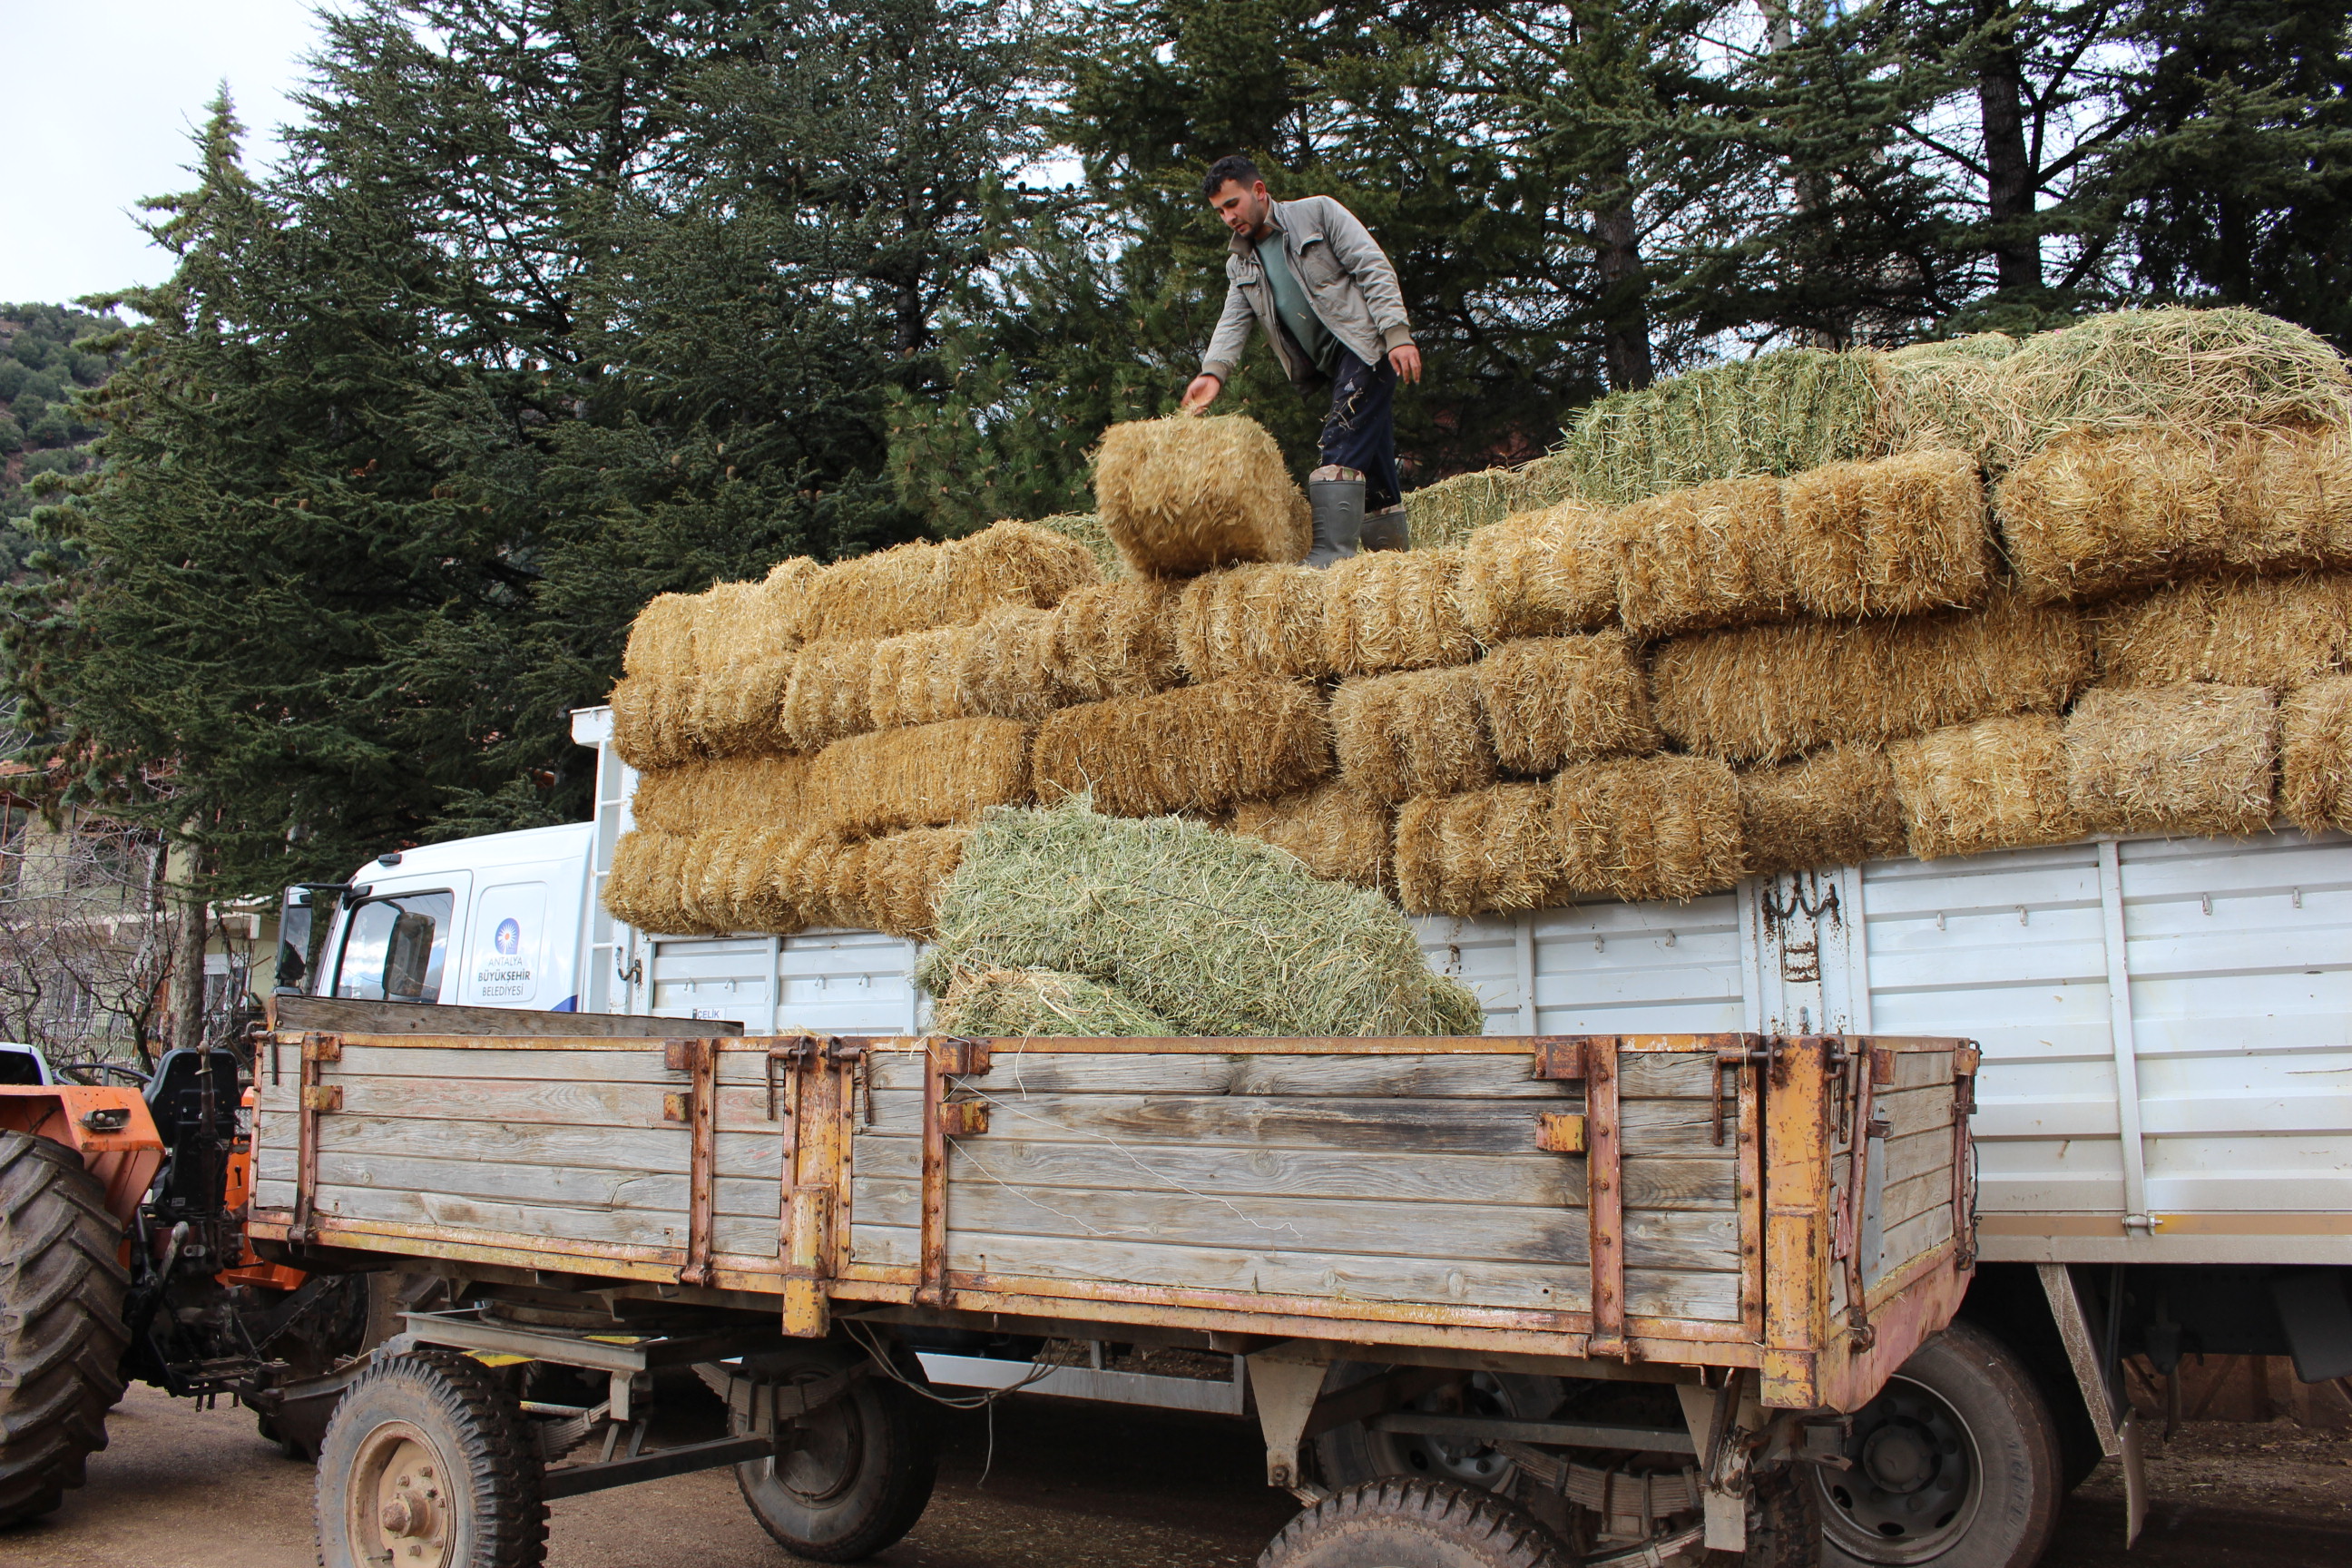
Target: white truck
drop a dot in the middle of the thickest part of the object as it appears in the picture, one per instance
(2163, 1123)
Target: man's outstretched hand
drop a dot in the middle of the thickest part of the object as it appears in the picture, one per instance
(1407, 361)
(1200, 394)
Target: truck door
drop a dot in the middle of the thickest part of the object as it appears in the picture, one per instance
(513, 948)
(395, 947)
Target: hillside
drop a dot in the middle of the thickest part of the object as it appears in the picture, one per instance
(40, 371)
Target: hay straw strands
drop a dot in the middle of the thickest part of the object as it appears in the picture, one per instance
(902, 876)
(733, 792)
(1553, 700)
(1337, 832)
(1217, 935)
(1476, 852)
(646, 887)
(1766, 693)
(1393, 609)
(738, 708)
(1086, 530)
(921, 586)
(926, 776)
(1186, 494)
(1654, 827)
(1253, 620)
(661, 639)
(2315, 755)
(914, 679)
(1114, 639)
(1891, 537)
(1715, 555)
(1934, 392)
(1999, 783)
(1446, 513)
(651, 721)
(1539, 574)
(1196, 749)
(1419, 732)
(829, 698)
(2275, 632)
(996, 666)
(1834, 808)
(2193, 760)
(992, 1002)
(730, 878)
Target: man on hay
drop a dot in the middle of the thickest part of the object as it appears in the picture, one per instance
(1327, 295)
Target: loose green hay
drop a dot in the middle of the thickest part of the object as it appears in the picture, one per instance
(1337, 832)
(994, 1002)
(1477, 852)
(1652, 827)
(1999, 783)
(1186, 494)
(1086, 530)
(1217, 935)
(1836, 807)
(2281, 633)
(2315, 755)
(1548, 701)
(2175, 759)
(1419, 732)
(1196, 749)
(1446, 513)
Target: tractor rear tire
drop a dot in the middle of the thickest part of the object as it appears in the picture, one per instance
(61, 1332)
(1400, 1523)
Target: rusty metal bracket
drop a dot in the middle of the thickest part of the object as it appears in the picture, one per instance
(944, 1059)
(699, 1060)
(311, 1098)
(810, 1173)
(322, 1097)
(1859, 1129)
(1559, 1057)
(1966, 1059)
(1560, 1132)
(1604, 1198)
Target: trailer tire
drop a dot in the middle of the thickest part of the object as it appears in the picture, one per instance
(861, 1474)
(61, 1330)
(1400, 1523)
(1352, 1455)
(427, 1463)
(1962, 1429)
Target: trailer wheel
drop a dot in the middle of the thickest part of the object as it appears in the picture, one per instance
(860, 1471)
(426, 1464)
(1353, 1454)
(61, 1331)
(1397, 1523)
(1954, 1464)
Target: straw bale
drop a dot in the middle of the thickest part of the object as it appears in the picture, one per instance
(1651, 827)
(2276, 632)
(1553, 700)
(1419, 732)
(738, 708)
(919, 585)
(1539, 574)
(992, 1002)
(1217, 935)
(1766, 693)
(731, 792)
(1775, 415)
(903, 874)
(785, 597)
(661, 639)
(727, 623)
(1446, 513)
(1890, 537)
(1196, 748)
(1183, 495)
(646, 887)
(1340, 833)
(1253, 620)
(1394, 609)
(925, 776)
(1998, 784)
(1833, 808)
(1482, 851)
(652, 720)
(1715, 555)
(732, 883)
(834, 872)
(2193, 760)
(829, 697)
(2315, 755)
(1008, 669)
(914, 678)
(2090, 514)
(1114, 639)
(1936, 392)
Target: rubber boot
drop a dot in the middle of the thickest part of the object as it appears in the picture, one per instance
(1339, 507)
(1388, 529)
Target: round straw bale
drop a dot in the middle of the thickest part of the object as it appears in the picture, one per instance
(1114, 639)
(1539, 574)
(1998, 784)
(2197, 759)
(652, 720)
(731, 792)
(646, 887)
(1196, 748)
(2316, 751)
(2243, 631)
(1394, 609)
(1715, 555)
(1651, 827)
(661, 639)
(1554, 700)
(1766, 693)
(829, 696)
(1189, 493)
(1007, 671)
(1482, 851)
(916, 677)
(738, 708)
(1889, 537)
(1419, 732)
(1833, 808)
(1338, 833)
(927, 776)
(919, 585)
(992, 1002)
(1253, 620)
(903, 877)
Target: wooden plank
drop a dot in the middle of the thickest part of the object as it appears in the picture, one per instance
(456, 1215)
(658, 1151)
(1606, 1139)
(544, 1102)
(1918, 1154)
(1434, 1075)
(1919, 1234)
(1907, 1111)
(1704, 1297)
(1919, 1069)
(566, 1187)
(1901, 1201)
(344, 1015)
(643, 1064)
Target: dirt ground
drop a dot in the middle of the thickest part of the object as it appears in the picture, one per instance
(1070, 1486)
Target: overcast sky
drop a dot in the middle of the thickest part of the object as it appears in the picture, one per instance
(100, 100)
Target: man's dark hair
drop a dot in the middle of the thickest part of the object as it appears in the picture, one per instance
(1231, 166)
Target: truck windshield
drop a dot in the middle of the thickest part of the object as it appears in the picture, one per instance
(393, 949)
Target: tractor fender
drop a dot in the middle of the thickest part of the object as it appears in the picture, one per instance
(109, 1127)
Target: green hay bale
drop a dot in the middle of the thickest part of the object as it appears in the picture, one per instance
(1779, 414)
(1443, 514)
(1041, 1003)
(1086, 528)
(1216, 934)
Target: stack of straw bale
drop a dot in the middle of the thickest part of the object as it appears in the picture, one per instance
(1198, 748)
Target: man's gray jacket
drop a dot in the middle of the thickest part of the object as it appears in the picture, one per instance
(1346, 277)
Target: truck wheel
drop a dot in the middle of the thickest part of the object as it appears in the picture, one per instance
(61, 1334)
(1399, 1523)
(427, 1463)
(1954, 1464)
(860, 1471)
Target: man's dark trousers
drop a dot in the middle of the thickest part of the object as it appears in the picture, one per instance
(1360, 433)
